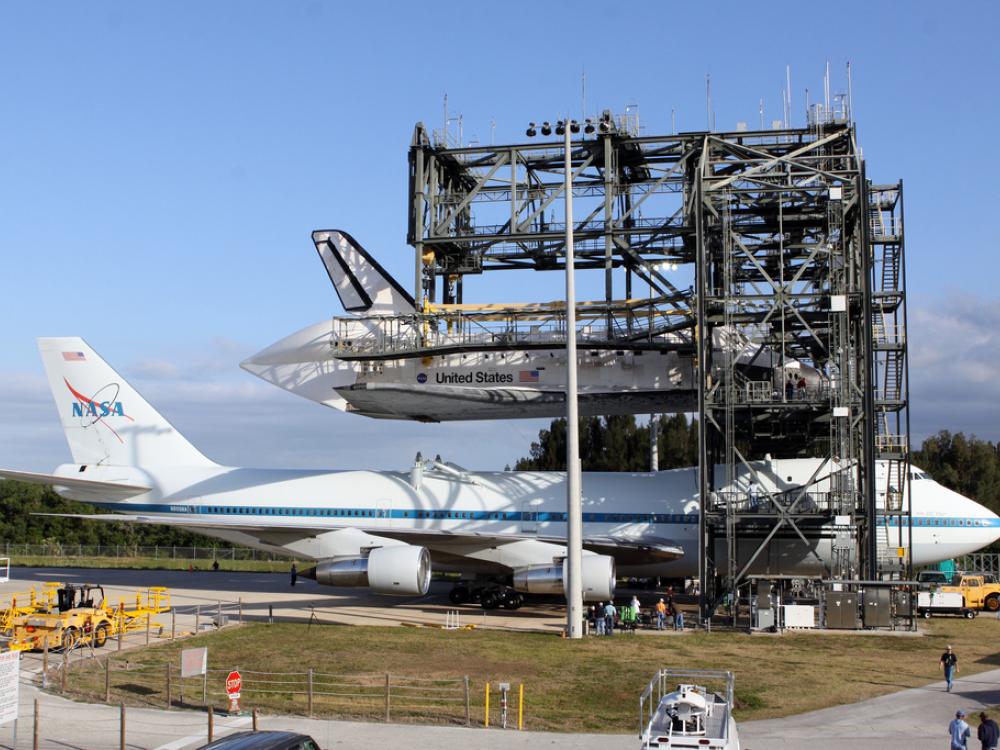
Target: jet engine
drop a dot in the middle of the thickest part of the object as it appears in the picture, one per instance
(598, 578)
(400, 569)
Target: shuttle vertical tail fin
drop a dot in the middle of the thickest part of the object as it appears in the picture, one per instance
(105, 419)
(360, 282)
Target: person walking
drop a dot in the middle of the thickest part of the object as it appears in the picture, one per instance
(959, 731)
(949, 664)
(661, 614)
(599, 617)
(988, 732)
(609, 618)
(295, 574)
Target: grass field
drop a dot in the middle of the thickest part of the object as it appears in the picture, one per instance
(569, 686)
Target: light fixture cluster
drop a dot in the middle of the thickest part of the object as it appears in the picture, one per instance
(560, 128)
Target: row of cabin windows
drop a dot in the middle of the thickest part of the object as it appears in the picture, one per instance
(949, 522)
(444, 514)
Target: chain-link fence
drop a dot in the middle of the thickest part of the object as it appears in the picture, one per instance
(55, 549)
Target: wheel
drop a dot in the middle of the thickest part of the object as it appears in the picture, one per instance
(459, 595)
(970, 614)
(513, 600)
(992, 602)
(926, 614)
(489, 600)
(101, 635)
(69, 639)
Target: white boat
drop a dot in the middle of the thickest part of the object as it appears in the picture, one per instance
(677, 710)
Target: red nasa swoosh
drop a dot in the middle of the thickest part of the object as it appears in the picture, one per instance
(94, 405)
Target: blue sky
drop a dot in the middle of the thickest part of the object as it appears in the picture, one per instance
(162, 166)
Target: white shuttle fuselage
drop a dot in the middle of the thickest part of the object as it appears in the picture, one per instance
(383, 360)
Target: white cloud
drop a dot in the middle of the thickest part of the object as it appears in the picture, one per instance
(955, 366)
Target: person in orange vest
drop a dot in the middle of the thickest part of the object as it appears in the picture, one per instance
(661, 615)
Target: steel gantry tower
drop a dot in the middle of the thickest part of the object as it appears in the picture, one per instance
(773, 237)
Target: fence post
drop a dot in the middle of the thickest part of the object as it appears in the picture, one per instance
(486, 709)
(173, 624)
(254, 719)
(310, 693)
(121, 728)
(218, 621)
(121, 623)
(387, 697)
(520, 706)
(34, 730)
(107, 680)
(65, 666)
(211, 723)
(240, 601)
(149, 622)
(468, 706)
(197, 618)
(45, 665)
(168, 686)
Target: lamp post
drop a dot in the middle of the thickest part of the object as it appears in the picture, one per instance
(573, 581)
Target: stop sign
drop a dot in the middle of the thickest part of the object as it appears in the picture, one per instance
(233, 684)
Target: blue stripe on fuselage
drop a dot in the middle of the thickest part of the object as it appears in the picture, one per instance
(271, 511)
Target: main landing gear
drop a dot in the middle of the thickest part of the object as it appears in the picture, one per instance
(488, 596)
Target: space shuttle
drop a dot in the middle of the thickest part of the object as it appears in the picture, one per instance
(386, 359)
(504, 532)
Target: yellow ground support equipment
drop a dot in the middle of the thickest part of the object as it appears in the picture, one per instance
(977, 591)
(83, 616)
(44, 599)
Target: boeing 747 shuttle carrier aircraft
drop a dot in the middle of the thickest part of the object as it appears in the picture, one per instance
(505, 531)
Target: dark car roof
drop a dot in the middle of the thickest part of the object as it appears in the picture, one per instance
(255, 741)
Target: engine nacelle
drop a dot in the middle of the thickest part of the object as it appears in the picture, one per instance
(598, 578)
(401, 569)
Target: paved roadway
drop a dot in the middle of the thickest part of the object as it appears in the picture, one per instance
(913, 719)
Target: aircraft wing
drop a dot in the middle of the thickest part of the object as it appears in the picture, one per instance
(624, 549)
(117, 490)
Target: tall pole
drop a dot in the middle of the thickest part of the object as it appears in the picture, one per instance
(574, 514)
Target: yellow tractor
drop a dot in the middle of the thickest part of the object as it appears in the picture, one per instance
(81, 617)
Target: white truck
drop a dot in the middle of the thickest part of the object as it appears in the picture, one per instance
(943, 603)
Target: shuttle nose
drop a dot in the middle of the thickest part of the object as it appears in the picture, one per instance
(311, 344)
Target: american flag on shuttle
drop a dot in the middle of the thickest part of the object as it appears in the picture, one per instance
(527, 376)
(74, 357)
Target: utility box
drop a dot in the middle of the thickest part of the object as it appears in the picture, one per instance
(841, 608)
(877, 612)
(904, 603)
(765, 619)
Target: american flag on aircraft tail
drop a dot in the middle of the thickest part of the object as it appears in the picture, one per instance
(74, 357)
(527, 376)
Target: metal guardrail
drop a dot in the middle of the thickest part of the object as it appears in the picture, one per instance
(500, 328)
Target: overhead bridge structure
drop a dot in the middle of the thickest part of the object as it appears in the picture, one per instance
(777, 237)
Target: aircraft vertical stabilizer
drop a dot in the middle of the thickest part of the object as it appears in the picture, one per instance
(361, 283)
(106, 420)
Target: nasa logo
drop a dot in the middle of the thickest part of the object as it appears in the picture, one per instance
(95, 406)
(102, 409)
(422, 378)
(104, 403)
